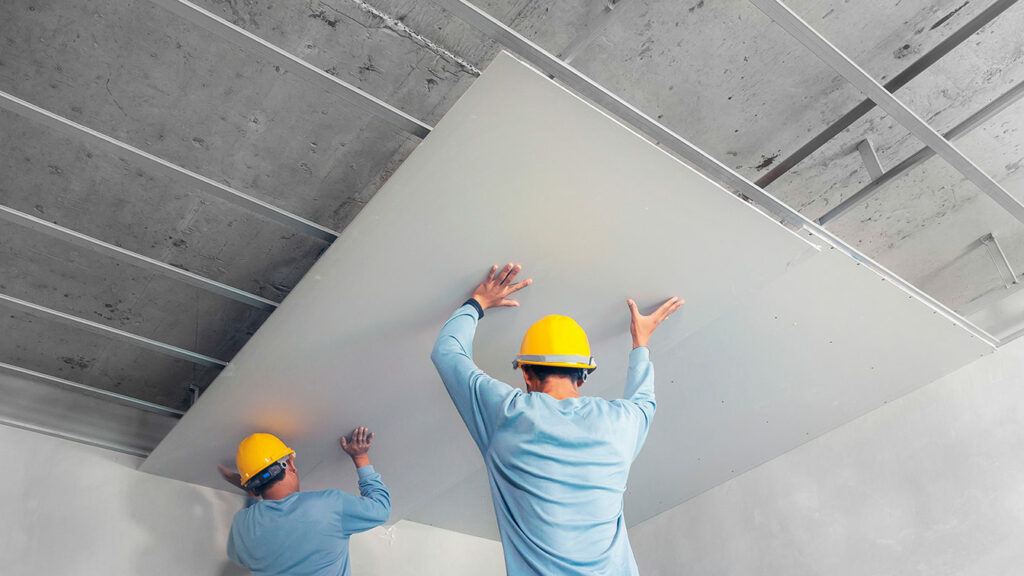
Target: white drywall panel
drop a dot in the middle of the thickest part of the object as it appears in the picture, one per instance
(84, 511)
(413, 549)
(518, 169)
(465, 506)
(932, 483)
(820, 346)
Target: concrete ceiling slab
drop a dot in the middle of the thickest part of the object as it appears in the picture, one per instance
(76, 281)
(728, 79)
(41, 407)
(949, 91)
(163, 88)
(115, 200)
(374, 47)
(141, 74)
(779, 342)
(724, 76)
(59, 350)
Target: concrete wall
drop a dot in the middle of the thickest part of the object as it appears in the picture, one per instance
(68, 508)
(932, 483)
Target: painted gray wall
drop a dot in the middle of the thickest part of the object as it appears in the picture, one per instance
(68, 508)
(74, 509)
(932, 483)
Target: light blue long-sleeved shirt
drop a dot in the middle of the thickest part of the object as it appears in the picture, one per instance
(557, 468)
(306, 533)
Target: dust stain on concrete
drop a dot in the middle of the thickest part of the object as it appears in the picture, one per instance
(322, 16)
(903, 51)
(78, 362)
(945, 18)
(766, 161)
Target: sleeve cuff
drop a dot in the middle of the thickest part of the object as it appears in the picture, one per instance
(641, 354)
(476, 306)
(365, 472)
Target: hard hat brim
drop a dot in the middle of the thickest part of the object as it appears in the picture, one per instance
(588, 367)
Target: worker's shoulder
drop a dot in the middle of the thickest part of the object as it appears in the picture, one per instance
(597, 408)
(327, 494)
(539, 404)
(331, 498)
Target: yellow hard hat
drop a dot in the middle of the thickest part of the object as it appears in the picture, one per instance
(556, 341)
(258, 452)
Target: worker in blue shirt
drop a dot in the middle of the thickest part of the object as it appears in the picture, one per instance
(300, 533)
(557, 461)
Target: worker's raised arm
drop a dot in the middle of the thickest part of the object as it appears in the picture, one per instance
(476, 396)
(639, 390)
(373, 505)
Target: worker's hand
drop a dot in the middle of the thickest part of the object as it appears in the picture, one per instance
(499, 285)
(641, 327)
(233, 478)
(357, 445)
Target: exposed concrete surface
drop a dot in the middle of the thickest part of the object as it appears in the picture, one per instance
(719, 73)
(163, 88)
(931, 484)
(142, 75)
(36, 404)
(924, 224)
(73, 354)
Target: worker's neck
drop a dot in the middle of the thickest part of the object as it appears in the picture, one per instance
(560, 388)
(279, 491)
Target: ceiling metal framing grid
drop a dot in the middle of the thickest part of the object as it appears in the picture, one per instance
(956, 38)
(561, 71)
(860, 79)
(588, 88)
(258, 47)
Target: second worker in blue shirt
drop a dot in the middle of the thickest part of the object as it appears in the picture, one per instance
(557, 461)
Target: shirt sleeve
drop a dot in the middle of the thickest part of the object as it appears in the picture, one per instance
(639, 393)
(478, 397)
(368, 510)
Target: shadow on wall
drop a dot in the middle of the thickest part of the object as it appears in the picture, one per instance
(185, 527)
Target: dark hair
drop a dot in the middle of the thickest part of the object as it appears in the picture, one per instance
(542, 373)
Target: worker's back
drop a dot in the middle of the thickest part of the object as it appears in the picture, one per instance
(301, 534)
(568, 460)
(557, 468)
(307, 533)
